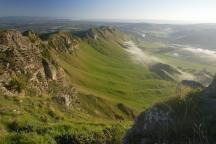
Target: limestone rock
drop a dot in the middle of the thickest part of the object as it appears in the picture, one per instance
(66, 97)
(64, 42)
(27, 67)
(152, 122)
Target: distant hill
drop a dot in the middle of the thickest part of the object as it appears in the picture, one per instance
(201, 38)
(197, 35)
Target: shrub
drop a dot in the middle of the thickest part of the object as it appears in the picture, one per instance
(15, 85)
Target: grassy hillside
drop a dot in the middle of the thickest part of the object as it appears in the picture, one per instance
(112, 90)
(104, 69)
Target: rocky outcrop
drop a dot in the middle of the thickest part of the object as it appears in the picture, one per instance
(25, 67)
(105, 32)
(66, 97)
(149, 125)
(20, 59)
(64, 42)
(47, 69)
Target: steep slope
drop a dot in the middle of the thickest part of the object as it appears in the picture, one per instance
(103, 68)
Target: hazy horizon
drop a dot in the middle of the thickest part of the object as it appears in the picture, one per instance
(150, 21)
(183, 11)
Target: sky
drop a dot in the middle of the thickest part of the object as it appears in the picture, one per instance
(172, 10)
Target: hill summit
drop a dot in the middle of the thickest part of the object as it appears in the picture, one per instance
(105, 32)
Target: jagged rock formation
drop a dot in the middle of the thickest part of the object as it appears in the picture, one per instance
(20, 58)
(24, 67)
(105, 32)
(64, 42)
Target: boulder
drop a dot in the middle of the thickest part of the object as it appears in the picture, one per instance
(153, 123)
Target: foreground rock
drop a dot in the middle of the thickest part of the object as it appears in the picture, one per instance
(180, 120)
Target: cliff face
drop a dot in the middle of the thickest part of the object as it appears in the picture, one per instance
(25, 68)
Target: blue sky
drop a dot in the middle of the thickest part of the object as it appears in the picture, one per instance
(187, 10)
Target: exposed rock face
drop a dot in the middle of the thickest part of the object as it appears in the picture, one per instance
(20, 58)
(13, 38)
(47, 69)
(105, 32)
(151, 123)
(24, 67)
(156, 117)
(64, 42)
(66, 96)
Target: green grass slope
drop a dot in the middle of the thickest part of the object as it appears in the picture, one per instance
(104, 69)
(112, 90)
